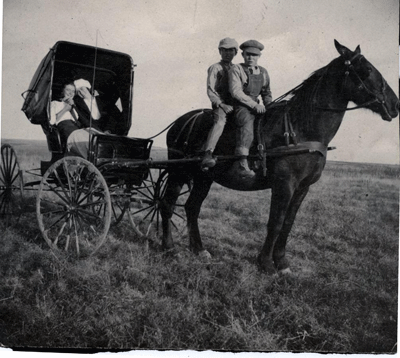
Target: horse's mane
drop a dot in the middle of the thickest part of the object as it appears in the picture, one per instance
(300, 99)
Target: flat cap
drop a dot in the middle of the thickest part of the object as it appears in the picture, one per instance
(252, 46)
(227, 42)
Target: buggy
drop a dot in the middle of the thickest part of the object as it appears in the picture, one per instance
(79, 199)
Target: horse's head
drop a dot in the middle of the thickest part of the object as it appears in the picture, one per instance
(365, 86)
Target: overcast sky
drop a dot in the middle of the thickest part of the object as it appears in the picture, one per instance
(174, 42)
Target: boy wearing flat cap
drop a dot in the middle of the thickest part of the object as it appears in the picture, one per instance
(248, 81)
(220, 97)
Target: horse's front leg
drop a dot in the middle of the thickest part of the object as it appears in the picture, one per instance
(280, 260)
(201, 187)
(167, 205)
(282, 192)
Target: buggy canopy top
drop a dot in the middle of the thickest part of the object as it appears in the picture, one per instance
(111, 73)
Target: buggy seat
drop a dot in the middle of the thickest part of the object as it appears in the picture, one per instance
(120, 158)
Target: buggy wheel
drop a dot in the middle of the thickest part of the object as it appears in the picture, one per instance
(144, 212)
(73, 207)
(120, 200)
(11, 186)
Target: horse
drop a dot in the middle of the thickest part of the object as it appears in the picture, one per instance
(288, 154)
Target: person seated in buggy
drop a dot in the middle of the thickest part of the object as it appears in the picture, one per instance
(62, 113)
(79, 113)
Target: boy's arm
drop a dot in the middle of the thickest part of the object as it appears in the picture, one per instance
(211, 83)
(236, 88)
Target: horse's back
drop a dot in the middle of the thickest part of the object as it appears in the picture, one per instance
(189, 133)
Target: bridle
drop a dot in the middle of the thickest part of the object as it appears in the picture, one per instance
(361, 86)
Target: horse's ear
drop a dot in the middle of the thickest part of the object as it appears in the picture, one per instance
(357, 50)
(343, 50)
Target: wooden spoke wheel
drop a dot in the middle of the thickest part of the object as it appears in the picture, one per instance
(144, 211)
(11, 186)
(120, 201)
(73, 207)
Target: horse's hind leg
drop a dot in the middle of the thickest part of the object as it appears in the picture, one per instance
(280, 260)
(201, 187)
(167, 205)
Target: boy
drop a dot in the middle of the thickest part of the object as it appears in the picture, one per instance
(247, 82)
(221, 100)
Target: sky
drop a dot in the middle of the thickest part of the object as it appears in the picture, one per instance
(173, 42)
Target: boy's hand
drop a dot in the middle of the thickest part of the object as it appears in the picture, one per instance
(259, 108)
(226, 108)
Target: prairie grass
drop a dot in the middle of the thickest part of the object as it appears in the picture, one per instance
(342, 296)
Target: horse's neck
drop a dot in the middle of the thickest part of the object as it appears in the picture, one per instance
(326, 116)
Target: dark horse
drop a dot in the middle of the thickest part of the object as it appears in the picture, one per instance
(299, 124)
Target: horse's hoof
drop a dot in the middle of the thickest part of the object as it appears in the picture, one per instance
(204, 255)
(282, 264)
(171, 252)
(286, 275)
(266, 265)
(285, 272)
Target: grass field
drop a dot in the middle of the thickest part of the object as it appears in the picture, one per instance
(342, 296)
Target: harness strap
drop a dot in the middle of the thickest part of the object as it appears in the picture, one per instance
(165, 129)
(292, 132)
(194, 119)
(286, 133)
(347, 109)
(191, 121)
(261, 152)
(309, 147)
(289, 131)
(184, 127)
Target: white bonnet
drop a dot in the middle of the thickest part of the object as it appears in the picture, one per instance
(82, 83)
